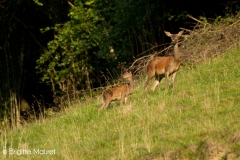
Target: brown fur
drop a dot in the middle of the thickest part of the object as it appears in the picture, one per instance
(164, 66)
(118, 93)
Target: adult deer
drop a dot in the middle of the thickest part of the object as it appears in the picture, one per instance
(118, 93)
(164, 66)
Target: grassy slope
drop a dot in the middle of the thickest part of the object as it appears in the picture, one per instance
(203, 108)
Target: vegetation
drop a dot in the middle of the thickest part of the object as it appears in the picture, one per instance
(199, 118)
(53, 48)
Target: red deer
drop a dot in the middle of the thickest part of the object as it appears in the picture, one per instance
(164, 66)
(118, 93)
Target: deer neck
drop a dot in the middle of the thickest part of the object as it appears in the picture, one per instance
(130, 86)
(176, 52)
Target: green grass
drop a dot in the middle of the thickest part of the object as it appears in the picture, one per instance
(180, 122)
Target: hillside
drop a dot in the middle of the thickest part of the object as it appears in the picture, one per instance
(198, 119)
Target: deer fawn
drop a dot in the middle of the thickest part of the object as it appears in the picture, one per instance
(164, 66)
(118, 93)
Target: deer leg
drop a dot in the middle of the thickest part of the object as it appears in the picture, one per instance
(146, 84)
(105, 104)
(123, 96)
(100, 108)
(125, 99)
(158, 78)
(154, 85)
(149, 78)
(174, 76)
(166, 79)
(104, 101)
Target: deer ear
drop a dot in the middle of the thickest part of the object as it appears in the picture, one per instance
(180, 33)
(168, 33)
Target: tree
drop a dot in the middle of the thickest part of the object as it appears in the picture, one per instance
(20, 44)
(68, 57)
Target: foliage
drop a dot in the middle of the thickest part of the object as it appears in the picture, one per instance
(104, 35)
(99, 32)
(38, 3)
(96, 36)
(67, 57)
(194, 120)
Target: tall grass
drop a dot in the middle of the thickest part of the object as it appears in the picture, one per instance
(185, 122)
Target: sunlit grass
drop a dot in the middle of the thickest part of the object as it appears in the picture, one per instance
(203, 106)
